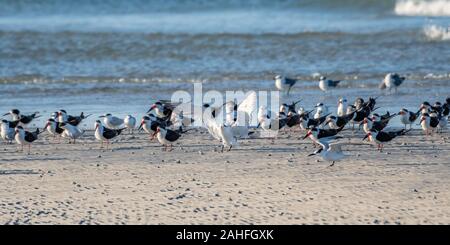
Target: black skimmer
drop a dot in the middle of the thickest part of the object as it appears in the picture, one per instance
(315, 134)
(446, 107)
(130, 123)
(24, 119)
(329, 152)
(326, 84)
(63, 117)
(111, 121)
(7, 130)
(52, 126)
(377, 122)
(429, 123)
(70, 131)
(105, 134)
(150, 123)
(306, 122)
(342, 107)
(364, 111)
(163, 109)
(270, 124)
(408, 117)
(25, 138)
(294, 119)
(289, 108)
(167, 137)
(381, 137)
(391, 80)
(284, 83)
(358, 104)
(340, 121)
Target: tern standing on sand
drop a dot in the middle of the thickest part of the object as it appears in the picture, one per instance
(130, 123)
(111, 121)
(330, 152)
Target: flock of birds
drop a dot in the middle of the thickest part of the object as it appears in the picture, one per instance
(231, 121)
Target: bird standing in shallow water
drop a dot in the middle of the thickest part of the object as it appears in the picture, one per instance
(327, 85)
(284, 83)
(391, 80)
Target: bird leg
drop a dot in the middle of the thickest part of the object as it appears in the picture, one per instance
(29, 149)
(332, 164)
(231, 146)
(221, 150)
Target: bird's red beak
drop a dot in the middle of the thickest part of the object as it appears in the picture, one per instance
(307, 135)
(96, 126)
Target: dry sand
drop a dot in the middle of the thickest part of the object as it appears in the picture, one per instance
(259, 182)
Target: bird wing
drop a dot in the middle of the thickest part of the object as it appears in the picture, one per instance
(332, 83)
(290, 81)
(172, 135)
(116, 121)
(336, 147)
(250, 106)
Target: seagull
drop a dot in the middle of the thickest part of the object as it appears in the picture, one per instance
(24, 119)
(428, 123)
(130, 123)
(326, 85)
(7, 131)
(167, 137)
(25, 138)
(73, 132)
(342, 106)
(330, 152)
(218, 131)
(105, 134)
(72, 120)
(391, 80)
(408, 117)
(111, 121)
(53, 127)
(284, 83)
(321, 109)
(381, 137)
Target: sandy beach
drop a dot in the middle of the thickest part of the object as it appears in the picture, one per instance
(259, 182)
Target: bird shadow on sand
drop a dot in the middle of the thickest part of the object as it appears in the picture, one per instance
(18, 171)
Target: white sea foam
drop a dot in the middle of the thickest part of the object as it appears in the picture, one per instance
(437, 33)
(423, 7)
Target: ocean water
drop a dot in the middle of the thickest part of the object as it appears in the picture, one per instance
(119, 56)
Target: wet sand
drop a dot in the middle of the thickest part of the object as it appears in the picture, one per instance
(259, 182)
